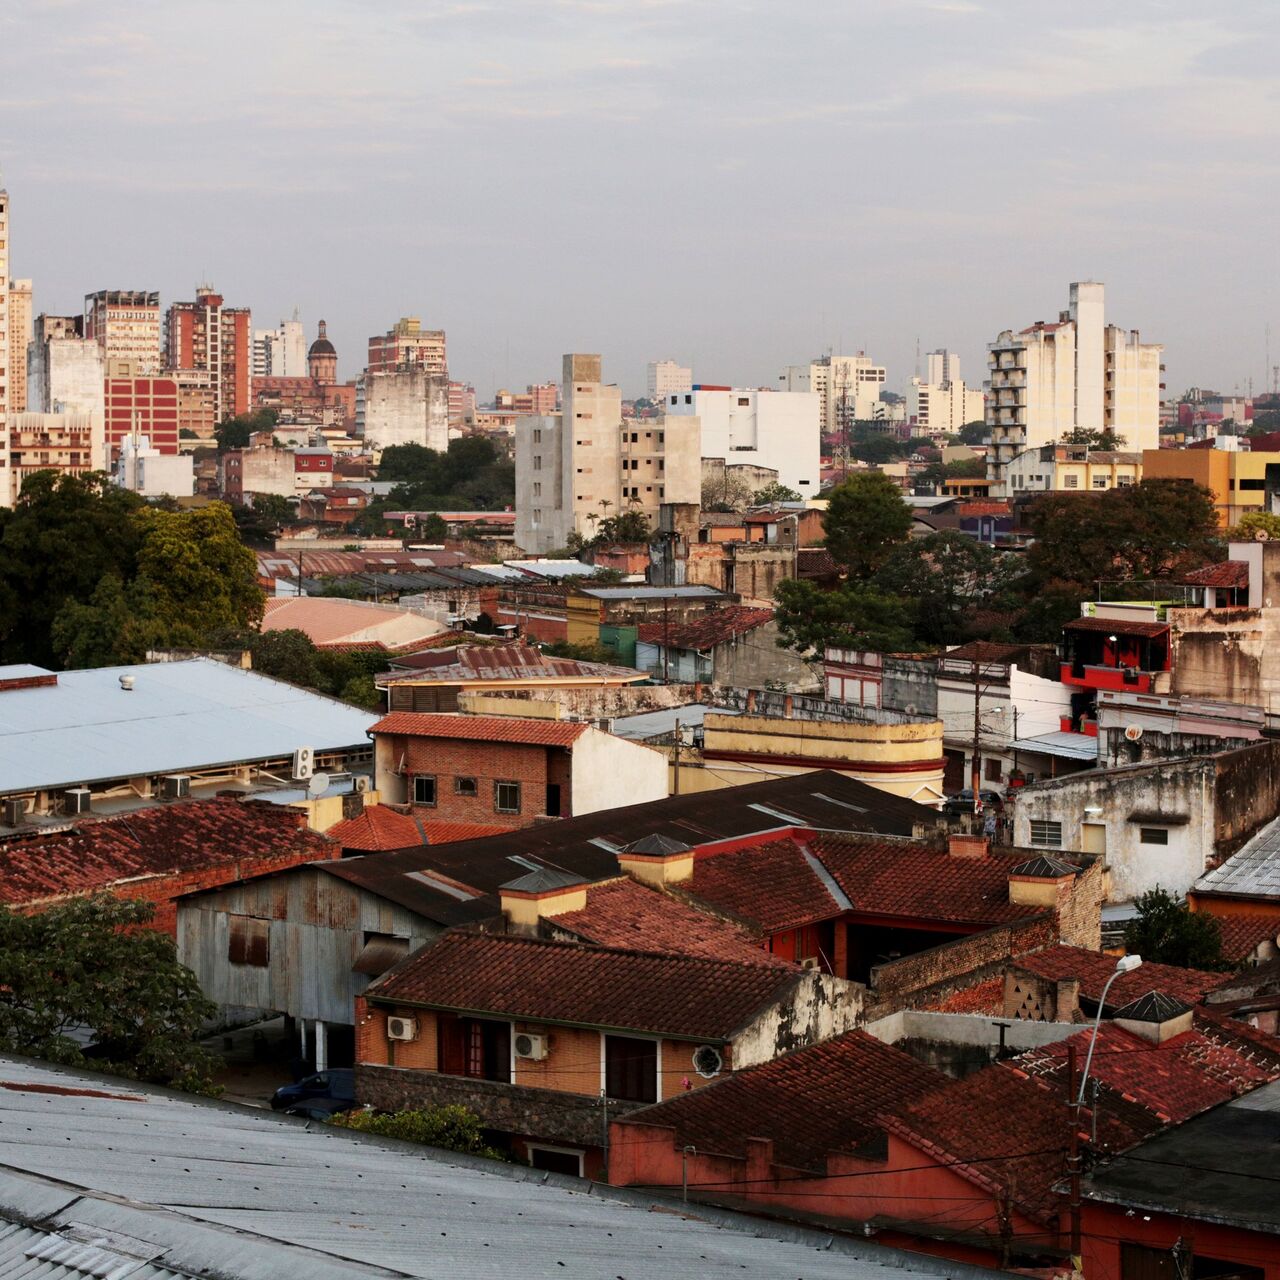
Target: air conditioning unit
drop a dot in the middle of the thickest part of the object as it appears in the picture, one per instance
(77, 800)
(810, 962)
(15, 812)
(304, 763)
(175, 786)
(528, 1046)
(361, 783)
(402, 1028)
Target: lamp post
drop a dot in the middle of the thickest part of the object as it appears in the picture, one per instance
(1075, 1098)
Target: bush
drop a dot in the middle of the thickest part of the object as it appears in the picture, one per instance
(452, 1127)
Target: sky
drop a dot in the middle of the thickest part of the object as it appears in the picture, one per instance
(737, 186)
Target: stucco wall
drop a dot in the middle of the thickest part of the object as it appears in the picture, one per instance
(754, 660)
(609, 772)
(818, 1008)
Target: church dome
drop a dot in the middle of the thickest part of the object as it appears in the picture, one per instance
(321, 346)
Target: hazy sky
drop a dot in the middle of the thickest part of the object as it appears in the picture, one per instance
(734, 185)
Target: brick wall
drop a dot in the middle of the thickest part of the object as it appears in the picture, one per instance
(1079, 908)
(572, 1064)
(957, 964)
(487, 763)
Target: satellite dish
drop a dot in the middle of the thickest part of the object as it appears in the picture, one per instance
(318, 784)
(1133, 732)
(1261, 535)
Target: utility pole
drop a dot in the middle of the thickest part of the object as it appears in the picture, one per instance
(976, 770)
(675, 785)
(1073, 1153)
(666, 639)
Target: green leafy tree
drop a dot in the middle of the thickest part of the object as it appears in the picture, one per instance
(1166, 931)
(948, 575)
(1253, 523)
(775, 492)
(876, 449)
(234, 433)
(973, 433)
(93, 963)
(117, 625)
(865, 519)
(626, 526)
(1264, 420)
(1094, 438)
(61, 538)
(853, 616)
(452, 1127)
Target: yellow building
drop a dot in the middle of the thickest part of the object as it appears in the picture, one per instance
(1071, 468)
(1237, 480)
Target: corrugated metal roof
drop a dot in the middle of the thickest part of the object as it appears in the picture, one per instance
(697, 592)
(1252, 871)
(178, 716)
(1067, 746)
(346, 1199)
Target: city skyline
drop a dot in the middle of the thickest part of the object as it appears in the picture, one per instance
(606, 177)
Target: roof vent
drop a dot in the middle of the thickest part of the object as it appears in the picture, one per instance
(1155, 1017)
(126, 683)
(657, 859)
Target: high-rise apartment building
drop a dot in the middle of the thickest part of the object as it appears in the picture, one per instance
(280, 352)
(848, 386)
(409, 345)
(941, 366)
(780, 430)
(405, 406)
(19, 322)
(1077, 374)
(577, 467)
(205, 336)
(125, 323)
(938, 409)
(666, 378)
(140, 406)
(6, 390)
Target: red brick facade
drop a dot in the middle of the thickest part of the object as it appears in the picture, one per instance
(452, 764)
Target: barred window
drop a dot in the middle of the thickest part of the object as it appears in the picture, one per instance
(1045, 834)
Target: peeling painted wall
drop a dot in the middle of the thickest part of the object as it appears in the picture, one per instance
(819, 1007)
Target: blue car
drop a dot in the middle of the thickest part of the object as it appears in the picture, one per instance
(338, 1084)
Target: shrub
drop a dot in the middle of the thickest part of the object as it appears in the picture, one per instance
(453, 1127)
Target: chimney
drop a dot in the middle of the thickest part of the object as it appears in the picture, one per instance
(1155, 1017)
(540, 895)
(657, 860)
(967, 846)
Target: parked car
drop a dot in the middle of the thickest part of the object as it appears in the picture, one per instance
(336, 1084)
(320, 1108)
(962, 802)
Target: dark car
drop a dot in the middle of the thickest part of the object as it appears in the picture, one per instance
(336, 1084)
(962, 802)
(320, 1108)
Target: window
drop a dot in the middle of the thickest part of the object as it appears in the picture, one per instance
(249, 941)
(537, 488)
(424, 789)
(688, 399)
(1070, 482)
(631, 1069)
(506, 797)
(994, 771)
(537, 435)
(744, 402)
(556, 1160)
(1153, 835)
(464, 786)
(1045, 834)
(1099, 482)
(537, 462)
(1253, 484)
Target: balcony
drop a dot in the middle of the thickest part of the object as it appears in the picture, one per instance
(1080, 675)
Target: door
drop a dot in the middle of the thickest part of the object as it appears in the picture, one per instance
(553, 800)
(1093, 838)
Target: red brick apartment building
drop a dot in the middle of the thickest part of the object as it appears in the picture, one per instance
(148, 405)
(208, 337)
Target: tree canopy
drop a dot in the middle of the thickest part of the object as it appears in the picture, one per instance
(775, 492)
(852, 616)
(973, 433)
(1166, 931)
(1253, 523)
(865, 519)
(92, 963)
(234, 433)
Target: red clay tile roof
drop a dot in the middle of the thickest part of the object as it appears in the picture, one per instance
(997, 1128)
(772, 886)
(685, 996)
(1122, 626)
(180, 837)
(982, 997)
(986, 651)
(517, 661)
(1242, 934)
(817, 562)
(1173, 1081)
(441, 831)
(990, 508)
(431, 724)
(1093, 968)
(377, 829)
(624, 913)
(1230, 573)
(855, 1076)
(900, 878)
(707, 630)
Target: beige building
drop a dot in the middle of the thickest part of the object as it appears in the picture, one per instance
(69, 442)
(665, 378)
(1071, 468)
(1077, 374)
(19, 339)
(407, 344)
(849, 387)
(938, 409)
(125, 323)
(584, 464)
(409, 405)
(5, 346)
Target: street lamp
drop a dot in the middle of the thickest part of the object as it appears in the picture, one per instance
(1126, 964)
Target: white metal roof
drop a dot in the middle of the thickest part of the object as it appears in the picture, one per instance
(1068, 746)
(270, 1181)
(178, 716)
(1253, 870)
